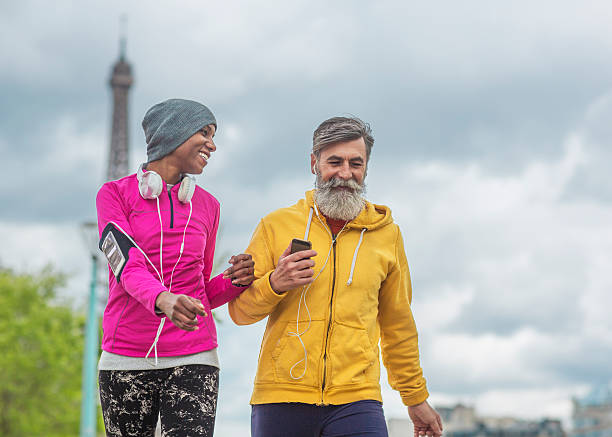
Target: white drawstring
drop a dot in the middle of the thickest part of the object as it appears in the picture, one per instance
(350, 279)
(308, 224)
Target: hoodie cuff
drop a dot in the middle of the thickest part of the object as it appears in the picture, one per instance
(235, 290)
(156, 311)
(414, 398)
(269, 295)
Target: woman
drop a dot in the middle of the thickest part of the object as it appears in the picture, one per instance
(158, 230)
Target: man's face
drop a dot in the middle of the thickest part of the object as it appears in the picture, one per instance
(340, 172)
(345, 161)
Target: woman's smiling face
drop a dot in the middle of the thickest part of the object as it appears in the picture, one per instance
(193, 155)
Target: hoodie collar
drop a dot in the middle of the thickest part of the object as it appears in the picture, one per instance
(371, 217)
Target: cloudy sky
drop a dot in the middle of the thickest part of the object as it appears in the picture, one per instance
(492, 127)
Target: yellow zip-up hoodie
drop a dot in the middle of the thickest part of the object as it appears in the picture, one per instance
(360, 298)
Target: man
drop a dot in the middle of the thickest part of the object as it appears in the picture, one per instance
(328, 307)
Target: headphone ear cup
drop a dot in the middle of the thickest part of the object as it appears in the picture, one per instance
(150, 185)
(187, 189)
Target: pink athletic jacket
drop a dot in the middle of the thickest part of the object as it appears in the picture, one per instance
(130, 322)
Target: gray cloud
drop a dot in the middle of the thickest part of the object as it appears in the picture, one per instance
(455, 95)
(492, 143)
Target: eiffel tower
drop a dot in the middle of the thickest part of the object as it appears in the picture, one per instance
(118, 166)
(120, 83)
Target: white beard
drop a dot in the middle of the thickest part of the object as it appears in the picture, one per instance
(339, 204)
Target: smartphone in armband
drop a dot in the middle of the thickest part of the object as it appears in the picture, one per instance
(298, 245)
(116, 245)
(111, 249)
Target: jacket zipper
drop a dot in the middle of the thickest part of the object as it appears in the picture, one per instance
(331, 301)
(171, 210)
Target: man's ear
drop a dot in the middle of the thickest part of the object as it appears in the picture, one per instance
(313, 163)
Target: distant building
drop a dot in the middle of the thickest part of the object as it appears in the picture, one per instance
(462, 421)
(592, 415)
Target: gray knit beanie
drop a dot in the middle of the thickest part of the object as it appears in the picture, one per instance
(169, 124)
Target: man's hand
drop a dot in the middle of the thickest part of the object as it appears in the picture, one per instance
(242, 271)
(425, 419)
(181, 309)
(293, 270)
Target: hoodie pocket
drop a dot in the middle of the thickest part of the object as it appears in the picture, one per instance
(294, 362)
(270, 343)
(351, 355)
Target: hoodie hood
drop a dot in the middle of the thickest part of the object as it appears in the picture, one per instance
(371, 217)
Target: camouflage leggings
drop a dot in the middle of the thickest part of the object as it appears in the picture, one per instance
(185, 398)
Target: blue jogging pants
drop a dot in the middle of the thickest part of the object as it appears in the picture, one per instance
(357, 419)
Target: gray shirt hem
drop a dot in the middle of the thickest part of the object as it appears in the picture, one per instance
(111, 361)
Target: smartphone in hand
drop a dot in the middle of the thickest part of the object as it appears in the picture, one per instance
(298, 245)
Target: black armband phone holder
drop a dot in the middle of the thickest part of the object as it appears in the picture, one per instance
(116, 247)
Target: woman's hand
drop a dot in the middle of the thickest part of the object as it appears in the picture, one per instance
(242, 271)
(182, 310)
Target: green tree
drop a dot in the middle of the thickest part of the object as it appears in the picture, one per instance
(41, 349)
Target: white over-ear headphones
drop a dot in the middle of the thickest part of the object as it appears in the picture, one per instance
(150, 185)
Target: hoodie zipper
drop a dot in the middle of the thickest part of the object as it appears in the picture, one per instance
(331, 302)
(171, 210)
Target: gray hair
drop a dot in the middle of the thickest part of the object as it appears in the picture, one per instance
(340, 129)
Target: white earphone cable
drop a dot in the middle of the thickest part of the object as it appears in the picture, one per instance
(161, 240)
(182, 245)
(305, 289)
(154, 345)
(297, 332)
(138, 247)
(163, 320)
(160, 273)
